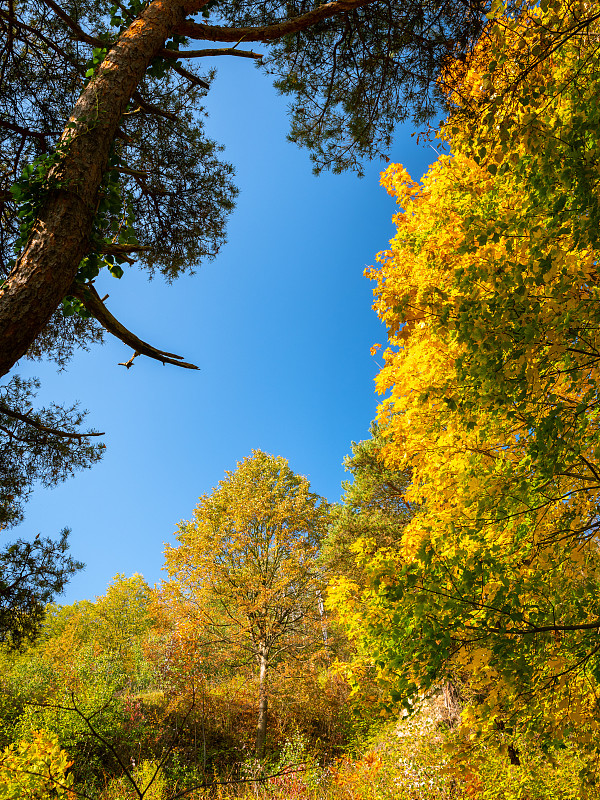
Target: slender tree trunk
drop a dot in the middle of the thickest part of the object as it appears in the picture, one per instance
(59, 240)
(263, 703)
(203, 726)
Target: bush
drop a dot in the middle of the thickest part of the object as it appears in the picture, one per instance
(150, 782)
(35, 770)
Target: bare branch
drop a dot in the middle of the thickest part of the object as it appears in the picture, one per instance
(211, 51)
(128, 364)
(79, 32)
(151, 109)
(268, 33)
(91, 300)
(194, 79)
(107, 744)
(9, 412)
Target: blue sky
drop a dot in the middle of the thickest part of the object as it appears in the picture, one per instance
(280, 325)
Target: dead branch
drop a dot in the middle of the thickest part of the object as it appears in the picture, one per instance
(268, 33)
(92, 302)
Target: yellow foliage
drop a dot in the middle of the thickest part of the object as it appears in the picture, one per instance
(35, 770)
(491, 388)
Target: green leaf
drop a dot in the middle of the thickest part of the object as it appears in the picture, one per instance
(115, 270)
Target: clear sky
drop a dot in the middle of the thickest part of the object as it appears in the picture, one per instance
(280, 324)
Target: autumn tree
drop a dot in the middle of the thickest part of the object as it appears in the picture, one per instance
(245, 573)
(110, 164)
(366, 526)
(489, 291)
(87, 665)
(373, 511)
(116, 164)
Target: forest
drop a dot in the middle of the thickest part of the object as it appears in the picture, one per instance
(435, 634)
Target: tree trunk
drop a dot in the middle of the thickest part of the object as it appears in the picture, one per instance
(263, 704)
(48, 264)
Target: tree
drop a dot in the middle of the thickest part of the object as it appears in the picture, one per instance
(373, 511)
(245, 572)
(489, 293)
(366, 527)
(82, 679)
(110, 163)
(31, 574)
(48, 446)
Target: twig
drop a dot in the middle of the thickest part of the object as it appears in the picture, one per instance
(152, 109)
(194, 79)
(80, 33)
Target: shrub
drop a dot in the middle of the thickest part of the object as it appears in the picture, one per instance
(35, 770)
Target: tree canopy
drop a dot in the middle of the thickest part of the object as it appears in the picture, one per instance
(105, 161)
(245, 575)
(373, 511)
(488, 290)
(110, 163)
(489, 293)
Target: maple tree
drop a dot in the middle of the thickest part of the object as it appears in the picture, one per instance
(245, 576)
(489, 291)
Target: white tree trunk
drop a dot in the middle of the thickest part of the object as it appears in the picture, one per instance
(263, 703)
